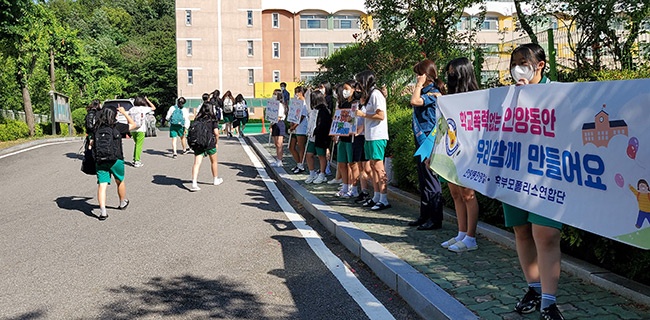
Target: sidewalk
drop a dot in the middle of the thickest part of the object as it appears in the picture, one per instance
(440, 284)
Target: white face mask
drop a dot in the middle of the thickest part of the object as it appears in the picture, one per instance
(522, 72)
(346, 94)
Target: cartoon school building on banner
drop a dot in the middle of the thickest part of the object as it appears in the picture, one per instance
(602, 129)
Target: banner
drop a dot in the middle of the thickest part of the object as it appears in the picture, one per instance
(295, 110)
(311, 124)
(578, 153)
(61, 108)
(344, 122)
(272, 110)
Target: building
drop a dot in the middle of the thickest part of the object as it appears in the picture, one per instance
(602, 129)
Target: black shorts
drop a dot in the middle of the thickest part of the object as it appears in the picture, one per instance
(357, 149)
(278, 129)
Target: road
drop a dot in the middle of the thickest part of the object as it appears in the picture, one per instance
(234, 251)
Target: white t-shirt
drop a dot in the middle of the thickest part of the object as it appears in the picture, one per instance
(186, 115)
(302, 126)
(376, 129)
(139, 116)
(281, 112)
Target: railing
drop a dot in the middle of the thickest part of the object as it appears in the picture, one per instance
(20, 115)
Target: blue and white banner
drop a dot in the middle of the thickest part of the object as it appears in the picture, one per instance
(578, 153)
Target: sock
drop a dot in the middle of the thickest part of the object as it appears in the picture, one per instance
(376, 197)
(355, 192)
(469, 241)
(537, 286)
(350, 188)
(344, 189)
(194, 182)
(383, 198)
(123, 203)
(301, 166)
(102, 210)
(547, 300)
(460, 236)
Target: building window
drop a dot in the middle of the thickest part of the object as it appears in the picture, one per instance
(249, 18)
(276, 50)
(313, 22)
(490, 23)
(338, 46)
(307, 76)
(188, 44)
(346, 22)
(275, 20)
(190, 76)
(313, 50)
(188, 17)
(276, 75)
(490, 50)
(251, 76)
(249, 45)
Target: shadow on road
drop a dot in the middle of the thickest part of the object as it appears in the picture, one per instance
(76, 203)
(75, 155)
(170, 181)
(185, 296)
(166, 153)
(39, 314)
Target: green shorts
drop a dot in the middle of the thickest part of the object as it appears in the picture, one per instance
(208, 152)
(105, 170)
(312, 148)
(344, 152)
(517, 217)
(176, 130)
(228, 117)
(374, 149)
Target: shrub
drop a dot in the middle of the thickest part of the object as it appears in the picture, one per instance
(13, 130)
(401, 147)
(78, 119)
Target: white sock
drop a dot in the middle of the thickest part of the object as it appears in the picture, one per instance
(301, 166)
(193, 182)
(376, 196)
(383, 198)
(469, 241)
(345, 188)
(354, 191)
(350, 188)
(461, 235)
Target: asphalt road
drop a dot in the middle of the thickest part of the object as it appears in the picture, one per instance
(227, 251)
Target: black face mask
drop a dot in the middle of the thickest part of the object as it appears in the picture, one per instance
(452, 80)
(356, 95)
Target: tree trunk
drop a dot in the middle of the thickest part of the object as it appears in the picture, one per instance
(524, 22)
(29, 112)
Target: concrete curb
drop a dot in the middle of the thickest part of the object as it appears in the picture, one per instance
(603, 278)
(39, 142)
(423, 295)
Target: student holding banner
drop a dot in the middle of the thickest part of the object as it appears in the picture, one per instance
(344, 159)
(537, 238)
(298, 127)
(321, 138)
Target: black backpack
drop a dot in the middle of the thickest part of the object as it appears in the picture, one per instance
(106, 144)
(200, 136)
(91, 119)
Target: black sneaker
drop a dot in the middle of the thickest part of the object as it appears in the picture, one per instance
(369, 203)
(362, 197)
(551, 313)
(529, 303)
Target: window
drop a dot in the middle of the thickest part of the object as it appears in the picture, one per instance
(346, 22)
(190, 76)
(313, 22)
(490, 23)
(188, 17)
(249, 18)
(251, 76)
(276, 75)
(276, 50)
(313, 50)
(307, 76)
(188, 44)
(338, 46)
(490, 50)
(249, 45)
(275, 20)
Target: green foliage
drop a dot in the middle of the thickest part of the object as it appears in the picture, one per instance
(401, 146)
(78, 119)
(13, 130)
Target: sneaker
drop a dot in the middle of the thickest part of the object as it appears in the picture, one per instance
(551, 313)
(138, 164)
(320, 179)
(369, 203)
(229, 135)
(344, 195)
(380, 206)
(102, 217)
(194, 188)
(126, 204)
(279, 164)
(174, 156)
(217, 181)
(529, 303)
(362, 197)
(311, 178)
(186, 151)
(335, 181)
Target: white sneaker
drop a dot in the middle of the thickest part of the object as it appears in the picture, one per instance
(311, 178)
(138, 164)
(194, 188)
(320, 179)
(344, 195)
(335, 181)
(218, 181)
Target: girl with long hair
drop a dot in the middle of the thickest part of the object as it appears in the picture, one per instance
(206, 115)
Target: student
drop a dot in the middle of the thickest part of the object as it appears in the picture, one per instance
(361, 171)
(228, 111)
(141, 107)
(286, 96)
(376, 131)
(278, 129)
(179, 122)
(344, 152)
(427, 89)
(107, 146)
(537, 238)
(461, 78)
(240, 114)
(215, 100)
(321, 139)
(299, 137)
(206, 115)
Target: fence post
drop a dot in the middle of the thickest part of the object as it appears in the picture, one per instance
(552, 59)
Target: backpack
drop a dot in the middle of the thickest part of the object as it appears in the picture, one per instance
(91, 118)
(105, 146)
(200, 136)
(240, 111)
(227, 106)
(177, 117)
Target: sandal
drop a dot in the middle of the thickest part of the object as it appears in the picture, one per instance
(461, 247)
(448, 243)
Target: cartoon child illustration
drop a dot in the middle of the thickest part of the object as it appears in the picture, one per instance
(643, 197)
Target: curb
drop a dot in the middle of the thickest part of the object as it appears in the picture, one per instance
(39, 142)
(423, 295)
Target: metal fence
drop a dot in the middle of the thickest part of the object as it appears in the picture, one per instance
(20, 116)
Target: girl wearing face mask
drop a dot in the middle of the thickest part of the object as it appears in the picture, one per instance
(278, 128)
(424, 102)
(537, 238)
(299, 136)
(344, 154)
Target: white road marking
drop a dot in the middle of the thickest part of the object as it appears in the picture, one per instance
(370, 305)
(32, 148)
